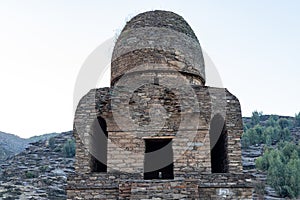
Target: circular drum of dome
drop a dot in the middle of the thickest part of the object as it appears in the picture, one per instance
(158, 37)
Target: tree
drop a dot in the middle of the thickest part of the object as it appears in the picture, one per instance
(288, 149)
(283, 168)
(285, 134)
(52, 142)
(297, 120)
(276, 175)
(261, 163)
(272, 120)
(253, 136)
(69, 148)
(259, 130)
(271, 135)
(276, 134)
(284, 123)
(255, 119)
(293, 178)
(268, 140)
(245, 141)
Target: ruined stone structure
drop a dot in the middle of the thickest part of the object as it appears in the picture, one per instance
(158, 132)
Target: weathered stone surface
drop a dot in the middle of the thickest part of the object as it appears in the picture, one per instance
(158, 92)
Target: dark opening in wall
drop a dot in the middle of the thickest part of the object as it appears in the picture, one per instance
(218, 145)
(156, 81)
(158, 163)
(98, 146)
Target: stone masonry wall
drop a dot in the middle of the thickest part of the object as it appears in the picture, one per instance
(127, 186)
(191, 145)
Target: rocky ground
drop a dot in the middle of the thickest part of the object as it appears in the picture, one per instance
(39, 172)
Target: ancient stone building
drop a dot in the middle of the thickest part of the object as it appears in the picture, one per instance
(158, 132)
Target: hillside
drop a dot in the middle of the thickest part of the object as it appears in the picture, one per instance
(38, 172)
(270, 145)
(12, 144)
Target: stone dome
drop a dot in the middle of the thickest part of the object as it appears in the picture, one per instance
(159, 41)
(163, 19)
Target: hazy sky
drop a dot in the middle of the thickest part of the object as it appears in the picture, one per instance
(254, 44)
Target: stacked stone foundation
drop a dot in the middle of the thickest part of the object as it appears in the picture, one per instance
(124, 186)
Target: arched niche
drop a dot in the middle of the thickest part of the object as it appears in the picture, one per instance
(218, 145)
(98, 145)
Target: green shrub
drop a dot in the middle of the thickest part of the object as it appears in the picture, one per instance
(285, 123)
(69, 148)
(30, 174)
(43, 168)
(283, 168)
(52, 142)
(272, 120)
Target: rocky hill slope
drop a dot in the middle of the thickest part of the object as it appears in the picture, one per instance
(12, 144)
(38, 172)
(252, 152)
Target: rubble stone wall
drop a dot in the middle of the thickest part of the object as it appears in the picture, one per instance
(191, 145)
(127, 186)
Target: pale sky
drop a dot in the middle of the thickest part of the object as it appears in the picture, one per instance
(254, 45)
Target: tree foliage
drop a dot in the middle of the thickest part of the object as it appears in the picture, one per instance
(275, 129)
(297, 119)
(255, 119)
(283, 168)
(52, 142)
(69, 148)
(281, 158)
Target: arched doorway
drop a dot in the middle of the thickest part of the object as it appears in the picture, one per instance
(218, 145)
(98, 146)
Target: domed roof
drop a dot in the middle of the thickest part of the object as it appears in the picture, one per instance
(160, 18)
(158, 37)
